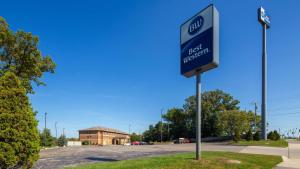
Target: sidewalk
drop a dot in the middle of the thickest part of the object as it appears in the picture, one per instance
(292, 160)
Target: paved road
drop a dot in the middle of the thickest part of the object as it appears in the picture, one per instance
(71, 156)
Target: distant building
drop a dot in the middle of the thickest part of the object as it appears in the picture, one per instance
(103, 136)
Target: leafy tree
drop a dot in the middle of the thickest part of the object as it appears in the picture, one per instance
(273, 135)
(213, 103)
(256, 136)
(19, 138)
(154, 133)
(234, 123)
(62, 141)
(179, 122)
(135, 137)
(49, 141)
(19, 54)
(249, 135)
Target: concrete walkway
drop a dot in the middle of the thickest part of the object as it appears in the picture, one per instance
(292, 160)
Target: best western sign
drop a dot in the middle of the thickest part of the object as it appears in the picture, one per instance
(199, 42)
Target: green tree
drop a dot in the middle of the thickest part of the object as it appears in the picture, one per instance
(62, 141)
(19, 138)
(135, 137)
(249, 135)
(49, 141)
(179, 123)
(234, 123)
(256, 136)
(19, 54)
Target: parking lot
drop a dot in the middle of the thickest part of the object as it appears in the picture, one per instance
(72, 156)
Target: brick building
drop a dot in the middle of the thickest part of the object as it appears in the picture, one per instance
(103, 136)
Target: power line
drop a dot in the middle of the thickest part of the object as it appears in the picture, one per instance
(287, 108)
(279, 114)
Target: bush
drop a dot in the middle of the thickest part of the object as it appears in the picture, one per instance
(19, 138)
(249, 135)
(256, 136)
(85, 142)
(62, 141)
(273, 135)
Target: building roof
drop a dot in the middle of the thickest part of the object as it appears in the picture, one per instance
(100, 128)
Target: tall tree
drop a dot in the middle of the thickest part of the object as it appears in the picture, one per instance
(178, 122)
(213, 103)
(19, 138)
(49, 139)
(235, 122)
(19, 54)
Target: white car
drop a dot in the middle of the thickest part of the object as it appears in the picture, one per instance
(127, 144)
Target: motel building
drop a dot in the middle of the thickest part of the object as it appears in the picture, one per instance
(103, 136)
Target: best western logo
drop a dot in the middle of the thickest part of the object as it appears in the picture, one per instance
(196, 25)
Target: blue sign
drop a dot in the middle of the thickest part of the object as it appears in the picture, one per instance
(199, 42)
(263, 18)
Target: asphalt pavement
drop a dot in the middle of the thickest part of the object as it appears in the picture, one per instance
(71, 156)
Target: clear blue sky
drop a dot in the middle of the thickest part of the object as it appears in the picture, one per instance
(118, 61)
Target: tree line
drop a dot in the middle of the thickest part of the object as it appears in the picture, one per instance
(221, 116)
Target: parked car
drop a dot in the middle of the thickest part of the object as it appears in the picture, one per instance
(181, 141)
(144, 143)
(135, 143)
(127, 144)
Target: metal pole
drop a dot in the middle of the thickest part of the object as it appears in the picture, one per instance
(45, 129)
(264, 83)
(255, 112)
(168, 131)
(56, 133)
(198, 118)
(161, 125)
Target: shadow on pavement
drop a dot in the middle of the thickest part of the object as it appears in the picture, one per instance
(100, 159)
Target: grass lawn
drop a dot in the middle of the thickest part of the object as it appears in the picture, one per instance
(269, 143)
(210, 160)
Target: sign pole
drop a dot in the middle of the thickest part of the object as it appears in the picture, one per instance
(264, 19)
(198, 114)
(264, 83)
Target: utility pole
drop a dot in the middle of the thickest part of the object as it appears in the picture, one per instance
(56, 133)
(161, 126)
(168, 131)
(45, 129)
(129, 128)
(255, 112)
(264, 19)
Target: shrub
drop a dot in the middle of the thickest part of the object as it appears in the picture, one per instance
(273, 135)
(19, 138)
(270, 135)
(85, 142)
(62, 141)
(249, 135)
(256, 136)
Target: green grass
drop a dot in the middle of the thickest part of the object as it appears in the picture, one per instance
(210, 160)
(268, 143)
